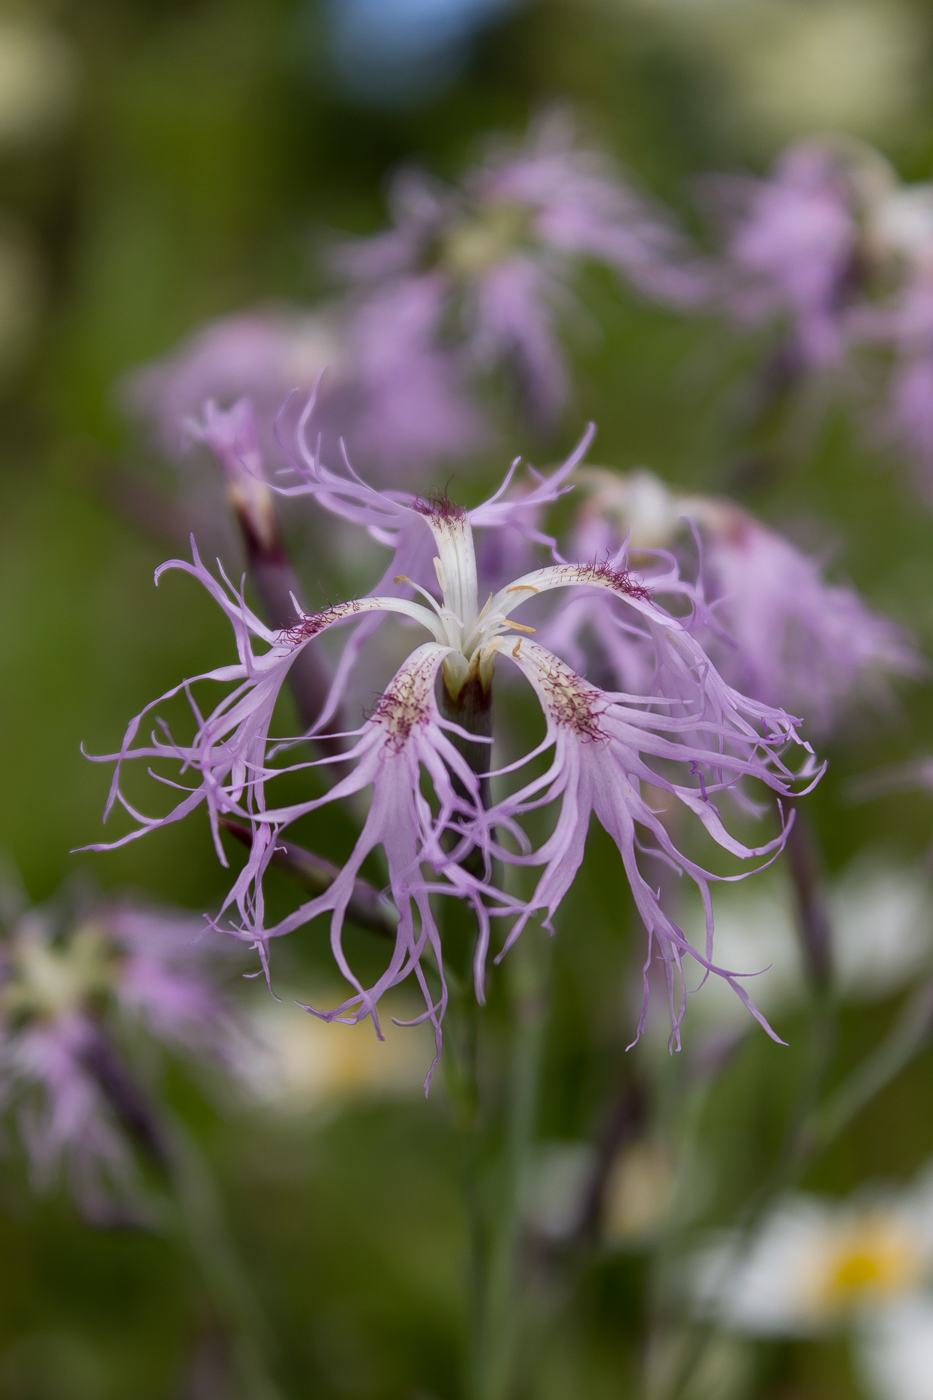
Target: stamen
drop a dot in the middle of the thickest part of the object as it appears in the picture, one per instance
(520, 627)
(441, 576)
(485, 610)
(517, 648)
(441, 611)
(523, 588)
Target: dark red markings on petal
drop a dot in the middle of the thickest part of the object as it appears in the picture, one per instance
(307, 627)
(620, 580)
(405, 705)
(570, 701)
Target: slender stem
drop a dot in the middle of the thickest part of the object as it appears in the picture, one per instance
(528, 971)
(625, 1117)
(498, 1151)
(910, 1034)
(206, 1234)
(805, 863)
(801, 1141)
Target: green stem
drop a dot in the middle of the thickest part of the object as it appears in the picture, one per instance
(203, 1228)
(497, 1147)
(801, 1143)
(909, 1035)
(528, 977)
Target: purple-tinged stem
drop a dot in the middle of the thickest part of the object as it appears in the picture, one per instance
(804, 861)
(107, 1070)
(625, 1119)
(367, 907)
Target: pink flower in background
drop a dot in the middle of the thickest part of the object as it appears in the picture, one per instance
(795, 640)
(500, 252)
(232, 435)
(409, 405)
(69, 983)
(260, 354)
(688, 733)
(907, 330)
(467, 280)
(773, 625)
(794, 245)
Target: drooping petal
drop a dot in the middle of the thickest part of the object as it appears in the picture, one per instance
(603, 752)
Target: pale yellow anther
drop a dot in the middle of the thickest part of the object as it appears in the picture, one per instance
(523, 588)
(517, 648)
(441, 576)
(520, 627)
(401, 578)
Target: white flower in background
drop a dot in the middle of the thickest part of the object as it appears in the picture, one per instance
(38, 79)
(640, 1194)
(895, 1353)
(815, 1267)
(882, 917)
(554, 1187)
(760, 935)
(302, 1065)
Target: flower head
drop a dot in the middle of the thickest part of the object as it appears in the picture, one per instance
(69, 981)
(816, 1266)
(259, 354)
(497, 255)
(777, 629)
(799, 242)
(423, 750)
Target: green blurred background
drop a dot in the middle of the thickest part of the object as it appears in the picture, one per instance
(172, 161)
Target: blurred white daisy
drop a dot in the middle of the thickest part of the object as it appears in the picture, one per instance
(816, 1266)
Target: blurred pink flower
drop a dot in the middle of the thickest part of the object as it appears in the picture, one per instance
(263, 354)
(793, 246)
(69, 982)
(770, 621)
(499, 254)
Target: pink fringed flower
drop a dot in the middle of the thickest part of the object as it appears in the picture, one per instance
(498, 254)
(797, 248)
(67, 983)
(260, 354)
(423, 751)
(776, 629)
